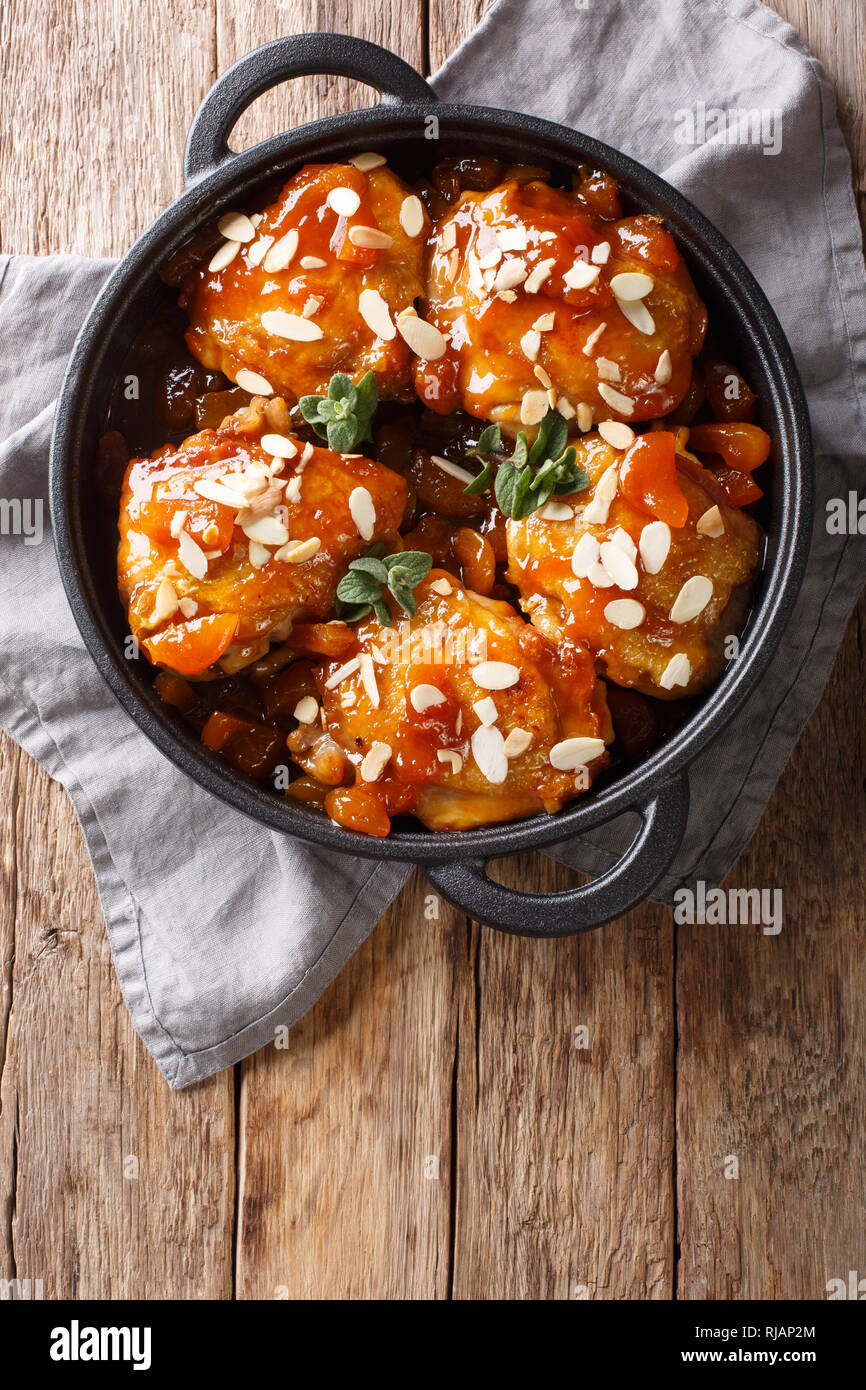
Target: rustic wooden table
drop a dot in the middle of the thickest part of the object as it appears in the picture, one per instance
(432, 1130)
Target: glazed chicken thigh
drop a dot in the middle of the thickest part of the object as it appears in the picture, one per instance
(641, 566)
(227, 539)
(545, 302)
(464, 715)
(313, 286)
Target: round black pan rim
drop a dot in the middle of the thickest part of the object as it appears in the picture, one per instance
(701, 244)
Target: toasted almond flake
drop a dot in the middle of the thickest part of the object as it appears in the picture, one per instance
(616, 434)
(258, 554)
(267, 530)
(306, 455)
(312, 263)
(258, 250)
(453, 469)
(254, 383)
(490, 258)
(593, 339)
(565, 408)
(282, 253)
(191, 556)
(711, 523)
(619, 565)
(664, 369)
(512, 238)
(188, 607)
(211, 534)
(367, 160)
(584, 417)
(533, 407)
(224, 255)
(312, 304)
(517, 742)
(586, 553)
(638, 315)
(631, 284)
(580, 276)
(370, 237)
(363, 512)
(552, 397)
(423, 338)
(412, 215)
(165, 604)
(343, 672)
(677, 672)
(442, 586)
(236, 226)
(373, 765)
(544, 322)
(291, 326)
(530, 344)
(295, 552)
(495, 675)
(343, 201)
(596, 510)
(279, 446)
(557, 511)
(607, 370)
(625, 613)
(538, 275)
(488, 751)
(376, 314)
(654, 544)
(510, 274)
(306, 711)
(600, 254)
(265, 502)
(177, 524)
(486, 711)
(573, 753)
(423, 696)
(451, 756)
(368, 679)
(507, 296)
(541, 375)
(692, 599)
(615, 399)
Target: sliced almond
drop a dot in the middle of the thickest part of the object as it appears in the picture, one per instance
(312, 263)
(224, 255)
(607, 370)
(692, 599)
(165, 603)
(544, 323)
(291, 326)
(677, 672)
(600, 254)
(490, 259)
(488, 750)
(254, 383)
(188, 607)
(442, 586)
(664, 369)
(573, 753)
(593, 339)
(638, 315)
(596, 510)
(495, 675)
(343, 672)
(259, 555)
(654, 544)
(517, 742)
(622, 538)
(373, 765)
(541, 375)
(530, 344)
(306, 710)
(711, 523)
(630, 285)
(452, 469)
(295, 552)
(267, 530)
(616, 434)
(236, 226)
(368, 679)
(412, 215)
(371, 238)
(625, 613)
(258, 250)
(178, 521)
(619, 566)
(376, 314)
(343, 201)
(450, 756)
(584, 417)
(363, 512)
(557, 511)
(538, 275)
(510, 274)
(279, 446)
(217, 492)
(486, 711)
(424, 696)
(615, 399)
(423, 338)
(580, 276)
(533, 407)
(367, 160)
(512, 238)
(599, 577)
(191, 556)
(282, 253)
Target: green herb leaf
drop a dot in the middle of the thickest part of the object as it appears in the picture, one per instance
(360, 591)
(528, 480)
(344, 415)
(416, 564)
(371, 565)
(480, 483)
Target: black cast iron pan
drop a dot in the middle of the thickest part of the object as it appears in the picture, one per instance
(414, 131)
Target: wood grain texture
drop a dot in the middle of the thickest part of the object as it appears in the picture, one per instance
(435, 1127)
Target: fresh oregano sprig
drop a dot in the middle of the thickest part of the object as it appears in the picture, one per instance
(534, 473)
(344, 415)
(361, 591)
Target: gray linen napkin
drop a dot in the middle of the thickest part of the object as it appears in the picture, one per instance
(221, 930)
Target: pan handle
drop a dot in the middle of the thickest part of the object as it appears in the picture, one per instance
(297, 55)
(466, 886)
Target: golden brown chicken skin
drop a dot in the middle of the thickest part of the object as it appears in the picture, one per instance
(227, 539)
(464, 715)
(543, 301)
(653, 599)
(306, 294)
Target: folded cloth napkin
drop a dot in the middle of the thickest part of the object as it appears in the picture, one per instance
(222, 930)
